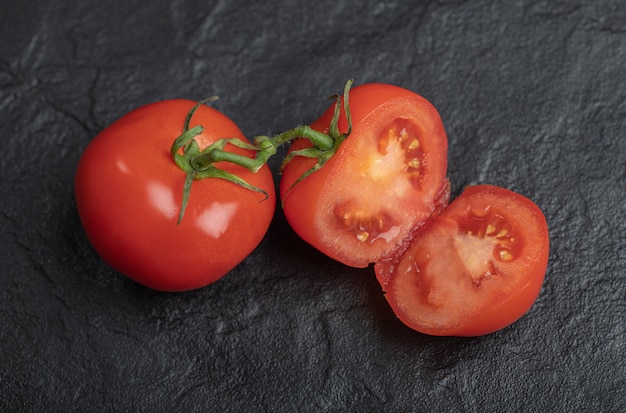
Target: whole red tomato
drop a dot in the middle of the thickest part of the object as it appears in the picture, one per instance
(474, 270)
(129, 193)
(386, 180)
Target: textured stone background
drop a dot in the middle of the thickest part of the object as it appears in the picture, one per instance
(533, 96)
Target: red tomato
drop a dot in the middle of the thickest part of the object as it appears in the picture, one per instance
(128, 194)
(476, 269)
(387, 178)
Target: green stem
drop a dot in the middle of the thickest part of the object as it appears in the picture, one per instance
(200, 164)
(318, 139)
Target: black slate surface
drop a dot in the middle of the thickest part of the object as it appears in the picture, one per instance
(533, 97)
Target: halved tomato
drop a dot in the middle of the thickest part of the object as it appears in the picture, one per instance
(387, 178)
(475, 269)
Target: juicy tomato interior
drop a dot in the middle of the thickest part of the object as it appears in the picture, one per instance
(476, 269)
(388, 177)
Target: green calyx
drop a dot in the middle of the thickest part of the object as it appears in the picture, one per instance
(323, 152)
(200, 164)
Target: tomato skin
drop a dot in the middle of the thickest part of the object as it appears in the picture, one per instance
(313, 207)
(128, 194)
(453, 282)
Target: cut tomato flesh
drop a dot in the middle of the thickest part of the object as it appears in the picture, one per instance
(393, 186)
(386, 179)
(390, 173)
(477, 268)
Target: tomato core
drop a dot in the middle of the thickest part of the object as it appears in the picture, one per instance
(395, 166)
(485, 240)
(400, 144)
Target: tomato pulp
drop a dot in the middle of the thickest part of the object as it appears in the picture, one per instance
(129, 191)
(387, 178)
(475, 269)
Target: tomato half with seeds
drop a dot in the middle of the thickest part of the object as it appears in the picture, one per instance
(387, 178)
(129, 190)
(476, 269)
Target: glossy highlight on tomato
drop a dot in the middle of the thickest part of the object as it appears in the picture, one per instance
(474, 270)
(387, 179)
(128, 193)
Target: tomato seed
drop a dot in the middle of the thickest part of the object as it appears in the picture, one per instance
(414, 163)
(505, 255)
(503, 233)
(381, 223)
(403, 135)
